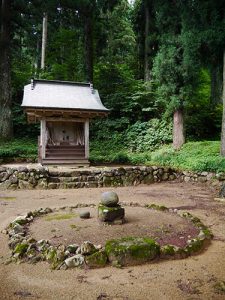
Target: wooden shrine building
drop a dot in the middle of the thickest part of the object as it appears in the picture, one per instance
(63, 109)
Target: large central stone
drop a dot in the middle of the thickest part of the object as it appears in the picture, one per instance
(110, 214)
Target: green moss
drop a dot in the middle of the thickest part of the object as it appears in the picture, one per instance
(102, 208)
(54, 257)
(132, 250)
(7, 198)
(59, 217)
(168, 250)
(220, 287)
(97, 259)
(51, 254)
(31, 253)
(73, 226)
(208, 233)
(157, 207)
(21, 249)
(195, 246)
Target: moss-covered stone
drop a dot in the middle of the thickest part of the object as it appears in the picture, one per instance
(194, 246)
(157, 207)
(109, 214)
(131, 250)
(208, 234)
(168, 250)
(98, 259)
(21, 249)
(54, 256)
(148, 179)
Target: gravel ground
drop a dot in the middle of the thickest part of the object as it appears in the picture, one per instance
(191, 278)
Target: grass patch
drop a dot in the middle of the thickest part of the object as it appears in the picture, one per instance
(195, 156)
(59, 217)
(7, 198)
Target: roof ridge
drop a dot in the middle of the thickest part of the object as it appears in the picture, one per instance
(60, 82)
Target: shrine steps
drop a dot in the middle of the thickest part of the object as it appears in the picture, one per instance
(75, 161)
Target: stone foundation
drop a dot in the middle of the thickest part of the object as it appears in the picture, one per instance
(50, 178)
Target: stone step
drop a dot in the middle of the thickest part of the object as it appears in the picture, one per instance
(69, 161)
(64, 147)
(65, 150)
(58, 179)
(65, 156)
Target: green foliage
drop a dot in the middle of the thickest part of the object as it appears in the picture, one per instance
(203, 118)
(114, 144)
(19, 148)
(196, 156)
(147, 136)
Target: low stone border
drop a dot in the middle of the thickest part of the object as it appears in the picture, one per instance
(120, 252)
(50, 178)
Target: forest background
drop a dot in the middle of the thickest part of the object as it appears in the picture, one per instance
(158, 65)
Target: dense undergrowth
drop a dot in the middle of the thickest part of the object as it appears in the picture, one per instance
(18, 149)
(196, 156)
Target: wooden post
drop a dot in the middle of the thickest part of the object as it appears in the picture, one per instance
(43, 138)
(86, 138)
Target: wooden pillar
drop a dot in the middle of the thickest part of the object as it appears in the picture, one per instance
(43, 138)
(86, 138)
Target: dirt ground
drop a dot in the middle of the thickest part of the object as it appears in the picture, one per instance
(165, 227)
(191, 278)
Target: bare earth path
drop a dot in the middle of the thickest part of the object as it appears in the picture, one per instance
(191, 278)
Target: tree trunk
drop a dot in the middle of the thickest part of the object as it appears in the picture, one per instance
(147, 76)
(222, 149)
(88, 27)
(5, 73)
(216, 85)
(44, 40)
(178, 129)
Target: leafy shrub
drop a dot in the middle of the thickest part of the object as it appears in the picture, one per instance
(145, 136)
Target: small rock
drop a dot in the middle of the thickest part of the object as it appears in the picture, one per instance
(42, 245)
(78, 251)
(72, 248)
(201, 235)
(98, 247)
(21, 220)
(17, 228)
(109, 199)
(63, 267)
(74, 261)
(85, 214)
(87, 248)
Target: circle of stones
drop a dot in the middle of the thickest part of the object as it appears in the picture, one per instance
(24, 248)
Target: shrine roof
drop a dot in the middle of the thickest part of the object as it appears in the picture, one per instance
(53, 94)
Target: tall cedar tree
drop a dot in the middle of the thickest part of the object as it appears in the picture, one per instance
(5, 72)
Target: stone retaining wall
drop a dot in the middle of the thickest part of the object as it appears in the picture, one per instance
(45, 178)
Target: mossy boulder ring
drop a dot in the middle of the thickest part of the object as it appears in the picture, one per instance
(109, 199)
(110, 214)
(131, 251)
(85, 214)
